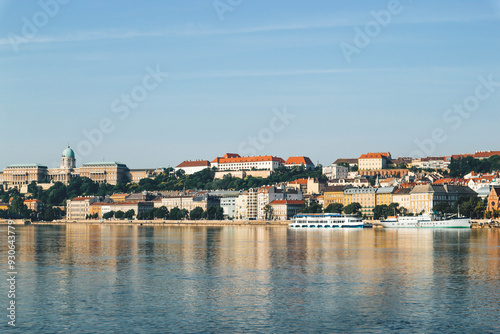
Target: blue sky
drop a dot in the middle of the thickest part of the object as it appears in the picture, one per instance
(227, 78)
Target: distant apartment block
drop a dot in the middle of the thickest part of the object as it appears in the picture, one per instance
(79, 207)
(335, 171)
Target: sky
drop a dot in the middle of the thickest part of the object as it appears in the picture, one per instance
(154, 83)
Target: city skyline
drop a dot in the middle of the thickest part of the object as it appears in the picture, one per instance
(232, 71)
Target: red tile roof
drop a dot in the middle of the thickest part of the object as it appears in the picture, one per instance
(299, 161)
(248, 159)
(486, 154)
(31, 200)
(299, 181)
(381, 155)
(195, 163)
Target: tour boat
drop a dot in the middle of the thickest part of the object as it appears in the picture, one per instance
(425, 221)
(326, 220)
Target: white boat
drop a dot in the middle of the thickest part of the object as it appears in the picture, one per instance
(425, 221)
(325, 220)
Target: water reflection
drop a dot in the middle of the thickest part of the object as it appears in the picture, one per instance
(263, 279)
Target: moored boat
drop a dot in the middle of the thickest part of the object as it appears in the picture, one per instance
(425, 221)
(326, 220)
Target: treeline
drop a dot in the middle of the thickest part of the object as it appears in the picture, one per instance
(463, 166)
(212, 213)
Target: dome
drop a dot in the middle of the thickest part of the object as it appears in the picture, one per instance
(68, 152)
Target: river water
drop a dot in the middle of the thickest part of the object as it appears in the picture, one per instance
(252, 279)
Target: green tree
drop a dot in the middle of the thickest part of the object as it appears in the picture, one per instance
(352, 209)
(196, 213)
(108, 215)
(129, 214)
(219, 213)
(334, 208)
(119, 214)
(378, 211)
(17, 206)
(268, 211)
(161, 212)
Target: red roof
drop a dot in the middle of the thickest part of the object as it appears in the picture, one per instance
(375, 155)
(299, 181)
(31, 200)
(486, 154)
(287, 202)
(299, 161)
(195, 163)
(247, 159)
(227, 156)
(449, 181)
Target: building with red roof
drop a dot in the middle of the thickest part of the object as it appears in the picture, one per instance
(192, 166)
(232, 161)
(370, 161)
(299, 161)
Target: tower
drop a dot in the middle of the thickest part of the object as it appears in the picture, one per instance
(68, 160)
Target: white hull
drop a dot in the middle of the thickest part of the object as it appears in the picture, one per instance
(325, 221)
(425, 222)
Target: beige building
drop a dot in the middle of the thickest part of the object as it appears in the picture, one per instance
(34, 204)
(105, 172)
(334, 194)
(402, 197)
(138, 207)
(424, 197)
(285, 209)
(79, 207)
(21, 174)
(373, 161)
(247, 205)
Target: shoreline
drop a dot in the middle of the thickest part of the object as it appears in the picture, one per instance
(153, 222)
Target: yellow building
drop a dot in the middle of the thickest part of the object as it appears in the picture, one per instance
(384, 196)
(119, 197)
(366, 197)
(333, 195)
(4, 206)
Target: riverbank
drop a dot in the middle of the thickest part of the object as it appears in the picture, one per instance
(154, 222)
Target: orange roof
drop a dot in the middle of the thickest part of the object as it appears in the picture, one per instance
(196, 163)
(227, 156)
(285, 201)
(299, 181)
(375, 155)
(486, 154)
(31, 200)
(81, 198)
(248, 159)
(299, 161)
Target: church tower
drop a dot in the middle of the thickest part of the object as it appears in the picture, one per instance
(68, 160)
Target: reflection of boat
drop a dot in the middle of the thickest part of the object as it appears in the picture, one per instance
(325, 220)
(425, 221)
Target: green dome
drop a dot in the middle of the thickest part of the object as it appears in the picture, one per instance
(68, 153)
